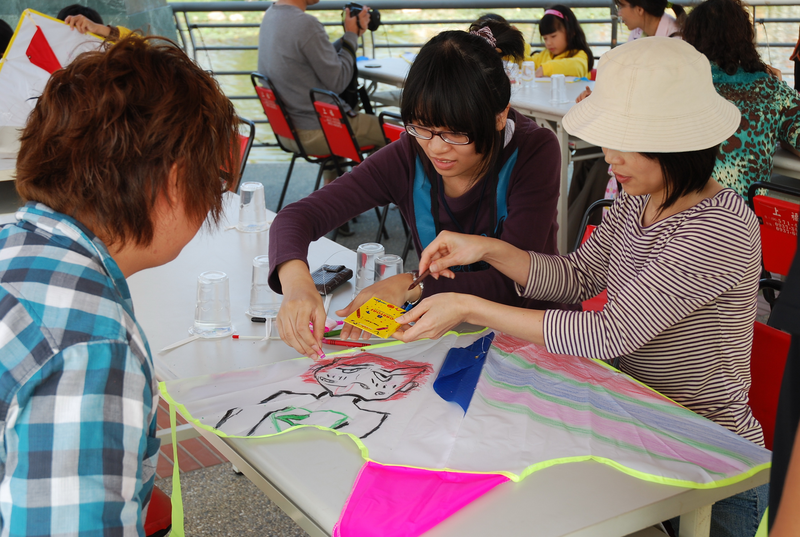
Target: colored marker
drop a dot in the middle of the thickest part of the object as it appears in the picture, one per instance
(237, 336)
(343, 343)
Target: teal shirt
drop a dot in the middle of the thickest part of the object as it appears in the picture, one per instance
(770, 113)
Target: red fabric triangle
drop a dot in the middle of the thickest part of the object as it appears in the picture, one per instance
(41, 54)
(395, 501)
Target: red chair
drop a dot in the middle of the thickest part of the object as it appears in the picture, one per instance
(340, 137)
(391, 131)
(595, 303)
(777, 220)
(159, 514)
(282, 125)
(767, 361)
(245, 142)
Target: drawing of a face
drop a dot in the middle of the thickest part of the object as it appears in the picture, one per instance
(370, 377)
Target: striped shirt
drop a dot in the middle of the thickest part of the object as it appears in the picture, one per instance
(77, 390)
(681, 302)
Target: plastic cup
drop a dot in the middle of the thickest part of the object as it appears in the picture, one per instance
(366, 255)
(212, 314)
(263, 300)
(558, 89)
(528, 73)
(252, 208)
(388, 265)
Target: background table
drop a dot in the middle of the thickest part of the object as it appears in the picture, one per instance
(309, 473)
(533, 101)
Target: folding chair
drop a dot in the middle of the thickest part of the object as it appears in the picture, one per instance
(391, 131)
(767, 361)
(339, 135)
(245, 142)
(777, 220)
(282, 125)
(586, 230)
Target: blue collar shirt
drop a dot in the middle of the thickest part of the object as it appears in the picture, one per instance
(78, 394)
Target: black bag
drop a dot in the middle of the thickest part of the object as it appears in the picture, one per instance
(329, 277)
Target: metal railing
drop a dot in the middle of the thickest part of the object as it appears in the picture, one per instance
(395, 14)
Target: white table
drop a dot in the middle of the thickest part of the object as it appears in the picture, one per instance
(309, 473)
(532, 100)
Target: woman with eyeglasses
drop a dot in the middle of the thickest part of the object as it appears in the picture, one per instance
(467, 163)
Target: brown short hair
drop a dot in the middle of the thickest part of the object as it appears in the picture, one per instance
(101, 141)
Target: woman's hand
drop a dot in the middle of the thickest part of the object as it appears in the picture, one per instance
(301, 305)
(434, 316)
(83, 25)
(585, 93)
(450, 249)
(393, 290)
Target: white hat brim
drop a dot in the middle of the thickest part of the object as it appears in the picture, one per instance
(677, 133)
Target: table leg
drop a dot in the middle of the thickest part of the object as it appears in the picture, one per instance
(696, 523)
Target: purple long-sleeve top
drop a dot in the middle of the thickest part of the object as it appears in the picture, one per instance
(388, 177)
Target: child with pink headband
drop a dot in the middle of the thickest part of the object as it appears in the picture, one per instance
(567, 52)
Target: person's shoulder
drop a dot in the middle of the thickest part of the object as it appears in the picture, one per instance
(286, 17)
(725, 210)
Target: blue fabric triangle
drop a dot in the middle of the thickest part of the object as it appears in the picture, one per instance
(461, 370)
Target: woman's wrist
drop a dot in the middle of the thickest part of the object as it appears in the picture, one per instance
(414, 296)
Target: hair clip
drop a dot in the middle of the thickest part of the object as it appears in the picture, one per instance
(487, 34)
(554, 12)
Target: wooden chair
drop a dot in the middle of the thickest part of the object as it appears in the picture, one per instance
(767, 361)
(586, 230)
(340, 137)
(282, 125)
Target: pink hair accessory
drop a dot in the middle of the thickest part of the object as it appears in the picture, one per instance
(487, 34)
(554, 12)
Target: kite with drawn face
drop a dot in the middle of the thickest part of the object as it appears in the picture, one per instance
(347, 382)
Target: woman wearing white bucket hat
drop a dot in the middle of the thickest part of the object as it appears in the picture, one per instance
(678, 253)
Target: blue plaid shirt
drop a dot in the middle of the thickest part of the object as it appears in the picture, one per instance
(77, 387)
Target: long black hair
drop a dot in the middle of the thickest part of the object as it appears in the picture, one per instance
(723, 31)
(576, 39)
(458, 82)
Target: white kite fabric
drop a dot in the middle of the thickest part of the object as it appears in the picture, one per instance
(530, 409)
(27, 64)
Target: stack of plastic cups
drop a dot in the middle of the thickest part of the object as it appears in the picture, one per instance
(212, 313)
(263, 300)
(252, 208)
(388, 265)
(366, 255)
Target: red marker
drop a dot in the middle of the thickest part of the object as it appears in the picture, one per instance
(343, 343)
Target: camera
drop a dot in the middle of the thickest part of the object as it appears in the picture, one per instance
(374, 16)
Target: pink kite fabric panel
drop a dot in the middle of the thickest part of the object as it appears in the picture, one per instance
(395, 501)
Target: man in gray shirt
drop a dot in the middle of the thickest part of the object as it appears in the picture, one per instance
(294, 53)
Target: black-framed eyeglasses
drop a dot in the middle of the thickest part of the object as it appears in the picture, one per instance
(424, 133)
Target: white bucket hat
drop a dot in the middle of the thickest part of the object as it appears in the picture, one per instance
(653, 95)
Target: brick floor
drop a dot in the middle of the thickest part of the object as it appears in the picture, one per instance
(193, 453)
